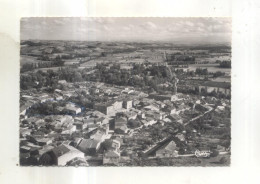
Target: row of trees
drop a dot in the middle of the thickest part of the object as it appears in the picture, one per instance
(48, 64)
(50, 78)
(140, 75)
(225, 64)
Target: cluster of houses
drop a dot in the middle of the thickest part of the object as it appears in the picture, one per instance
(77, 133)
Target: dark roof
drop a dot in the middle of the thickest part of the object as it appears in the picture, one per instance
(61, 150)
(88, 143)
(120, 121)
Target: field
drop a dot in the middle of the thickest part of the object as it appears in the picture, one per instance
(212, 59)
(71, 61)
(46, 69)
(28, 59)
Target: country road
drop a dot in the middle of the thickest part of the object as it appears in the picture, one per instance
(197, 117)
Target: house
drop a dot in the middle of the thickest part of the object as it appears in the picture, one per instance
(181, 108)
(99, 135)
(99, 121)
(92, 127)
(58, 91)
(122, 130)
(96, 114)
(127, 104)
(120, 122)
(80, 125)
(89, 121)
(62, 82)
(58, 97)
(93, 90)
(23, 110)
(25, 131)
(121, 125)
(69, 130)
(111, 157)
(117, 105)
(169, 150)
(45, 149)
(59, 119)
(127, 90)
(170, 110)
(107, 109)
(159, 104)
(44, 98)
(104, 120)
(67, 95)
(108, 92)
(201, 108)
(43, 141)
(62, 154)
(148, 121)
(88, 146)
(25, 149)
(155, 115)
(152, 107)
(130, 115)
(176, 118)
(136, 102)
(180, 136)
(115, 144)
(71, 109)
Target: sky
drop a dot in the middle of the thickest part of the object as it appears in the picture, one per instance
(212, 30)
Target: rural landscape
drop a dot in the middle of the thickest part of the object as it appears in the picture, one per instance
(133, 101)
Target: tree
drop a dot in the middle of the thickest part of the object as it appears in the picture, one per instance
(106, 145)
(77, 77)
(181, 151)
(214, 153)
(214, 123)
(223, 160)
(46, 159)
(32, 161)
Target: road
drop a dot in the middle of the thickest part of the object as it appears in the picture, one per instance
(200, 116)
(159, 144)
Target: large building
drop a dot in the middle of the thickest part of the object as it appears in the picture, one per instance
(89, 146)
(127, 104)
(64, 153)
(109, 108)
(218, 87)
(105, 108)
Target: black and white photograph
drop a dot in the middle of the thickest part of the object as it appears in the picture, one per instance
(125, 91)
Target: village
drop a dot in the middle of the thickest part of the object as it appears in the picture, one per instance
(144, 106)
(122, 126)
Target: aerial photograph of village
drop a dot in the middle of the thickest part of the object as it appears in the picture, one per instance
(125, 92)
